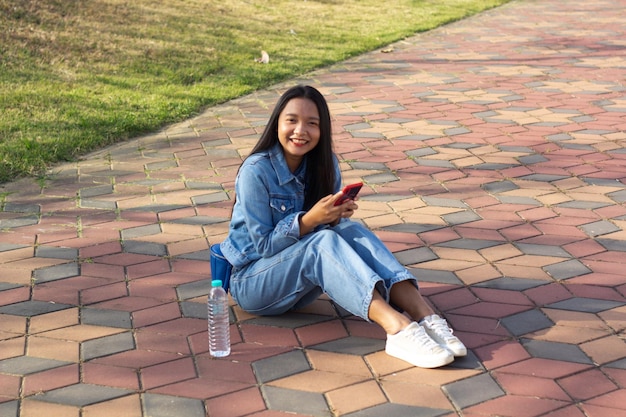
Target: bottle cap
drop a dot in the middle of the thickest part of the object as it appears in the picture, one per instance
(216, 283)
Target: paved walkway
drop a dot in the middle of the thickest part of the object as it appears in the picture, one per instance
(494, 155)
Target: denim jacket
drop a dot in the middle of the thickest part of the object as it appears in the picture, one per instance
(269, 202)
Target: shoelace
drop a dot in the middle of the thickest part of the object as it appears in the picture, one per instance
(422, 338)
(440, 327)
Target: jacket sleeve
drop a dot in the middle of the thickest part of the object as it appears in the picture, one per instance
(253, 196)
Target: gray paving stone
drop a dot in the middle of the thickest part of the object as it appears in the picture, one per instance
(159, 208)
(352, 345)
(26, 365)
(578, 146)
(141, 231)
(398, 410)
(583, 205)
(473, 244)
(193, 289)
(461, 145)
(415, 137)
(194, 310)
(499, 186)
(9, 409)
(599, 228)
(559, 137)
(97, 204)
(585, 305)
(619, 364)
(470, 361)
(56, 253)
(492, 166)
(456, 131)
(216, 142)
(110, 173)
(218, 154)
(292, 401)
(200, 220)
(289, 320)
(56, 272)
(433, 275)
(444, 202)
(511, 284)
(473, 390)
(371, 135)
(380, 178)
(80, 395)
(605, 182)
(434, 163)
(542, 250)
(8, 286)
(612, 244)
(105, 346)
(148, 182)
(526, 322)
(532, 159)
(618, 196)
(157, 166)
(523, 201)
(201, 255)
(412, 228)
(22, 208)
(32, 308)
(95, 191)
(398, 120)
(280, 366)
(357, 126)
(210, 198)
(156, 405)
(517, 149)
(415, 256)
(144, 248)
(461, 217)
(369, 166)
(555, 350)
(5, 247)
(543, 177)
(19, 222)
(108, 318)
(416, 153)
(567, 269)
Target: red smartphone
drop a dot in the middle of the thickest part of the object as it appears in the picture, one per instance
(349, 192)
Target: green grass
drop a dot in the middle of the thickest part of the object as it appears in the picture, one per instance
(76, 76)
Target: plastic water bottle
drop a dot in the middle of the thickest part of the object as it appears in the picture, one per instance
(219, 325)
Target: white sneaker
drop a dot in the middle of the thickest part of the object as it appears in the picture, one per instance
(438, 329)
(413, 345)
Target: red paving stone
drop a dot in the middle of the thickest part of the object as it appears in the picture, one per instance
(505, 144)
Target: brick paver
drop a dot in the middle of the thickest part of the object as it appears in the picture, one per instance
(494, 159)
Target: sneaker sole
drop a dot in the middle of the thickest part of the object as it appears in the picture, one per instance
(425, 363)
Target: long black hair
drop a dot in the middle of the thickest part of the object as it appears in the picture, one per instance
(320, 167)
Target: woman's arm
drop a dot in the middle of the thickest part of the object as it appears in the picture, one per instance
(254, 199)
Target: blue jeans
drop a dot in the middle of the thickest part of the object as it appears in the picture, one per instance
(347, 262)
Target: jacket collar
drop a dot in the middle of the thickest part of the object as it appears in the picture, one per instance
(280, 165)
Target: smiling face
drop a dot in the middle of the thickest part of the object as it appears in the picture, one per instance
(298, 130)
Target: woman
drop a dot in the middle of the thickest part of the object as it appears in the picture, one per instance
(289, 243)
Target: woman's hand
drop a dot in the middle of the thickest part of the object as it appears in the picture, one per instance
(325, 212)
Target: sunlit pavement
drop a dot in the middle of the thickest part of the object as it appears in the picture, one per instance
(494, 156)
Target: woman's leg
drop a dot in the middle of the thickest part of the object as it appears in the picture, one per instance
(403, 290)
(407, 297)
(321, 261)
(373, 252)
(387, 317)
